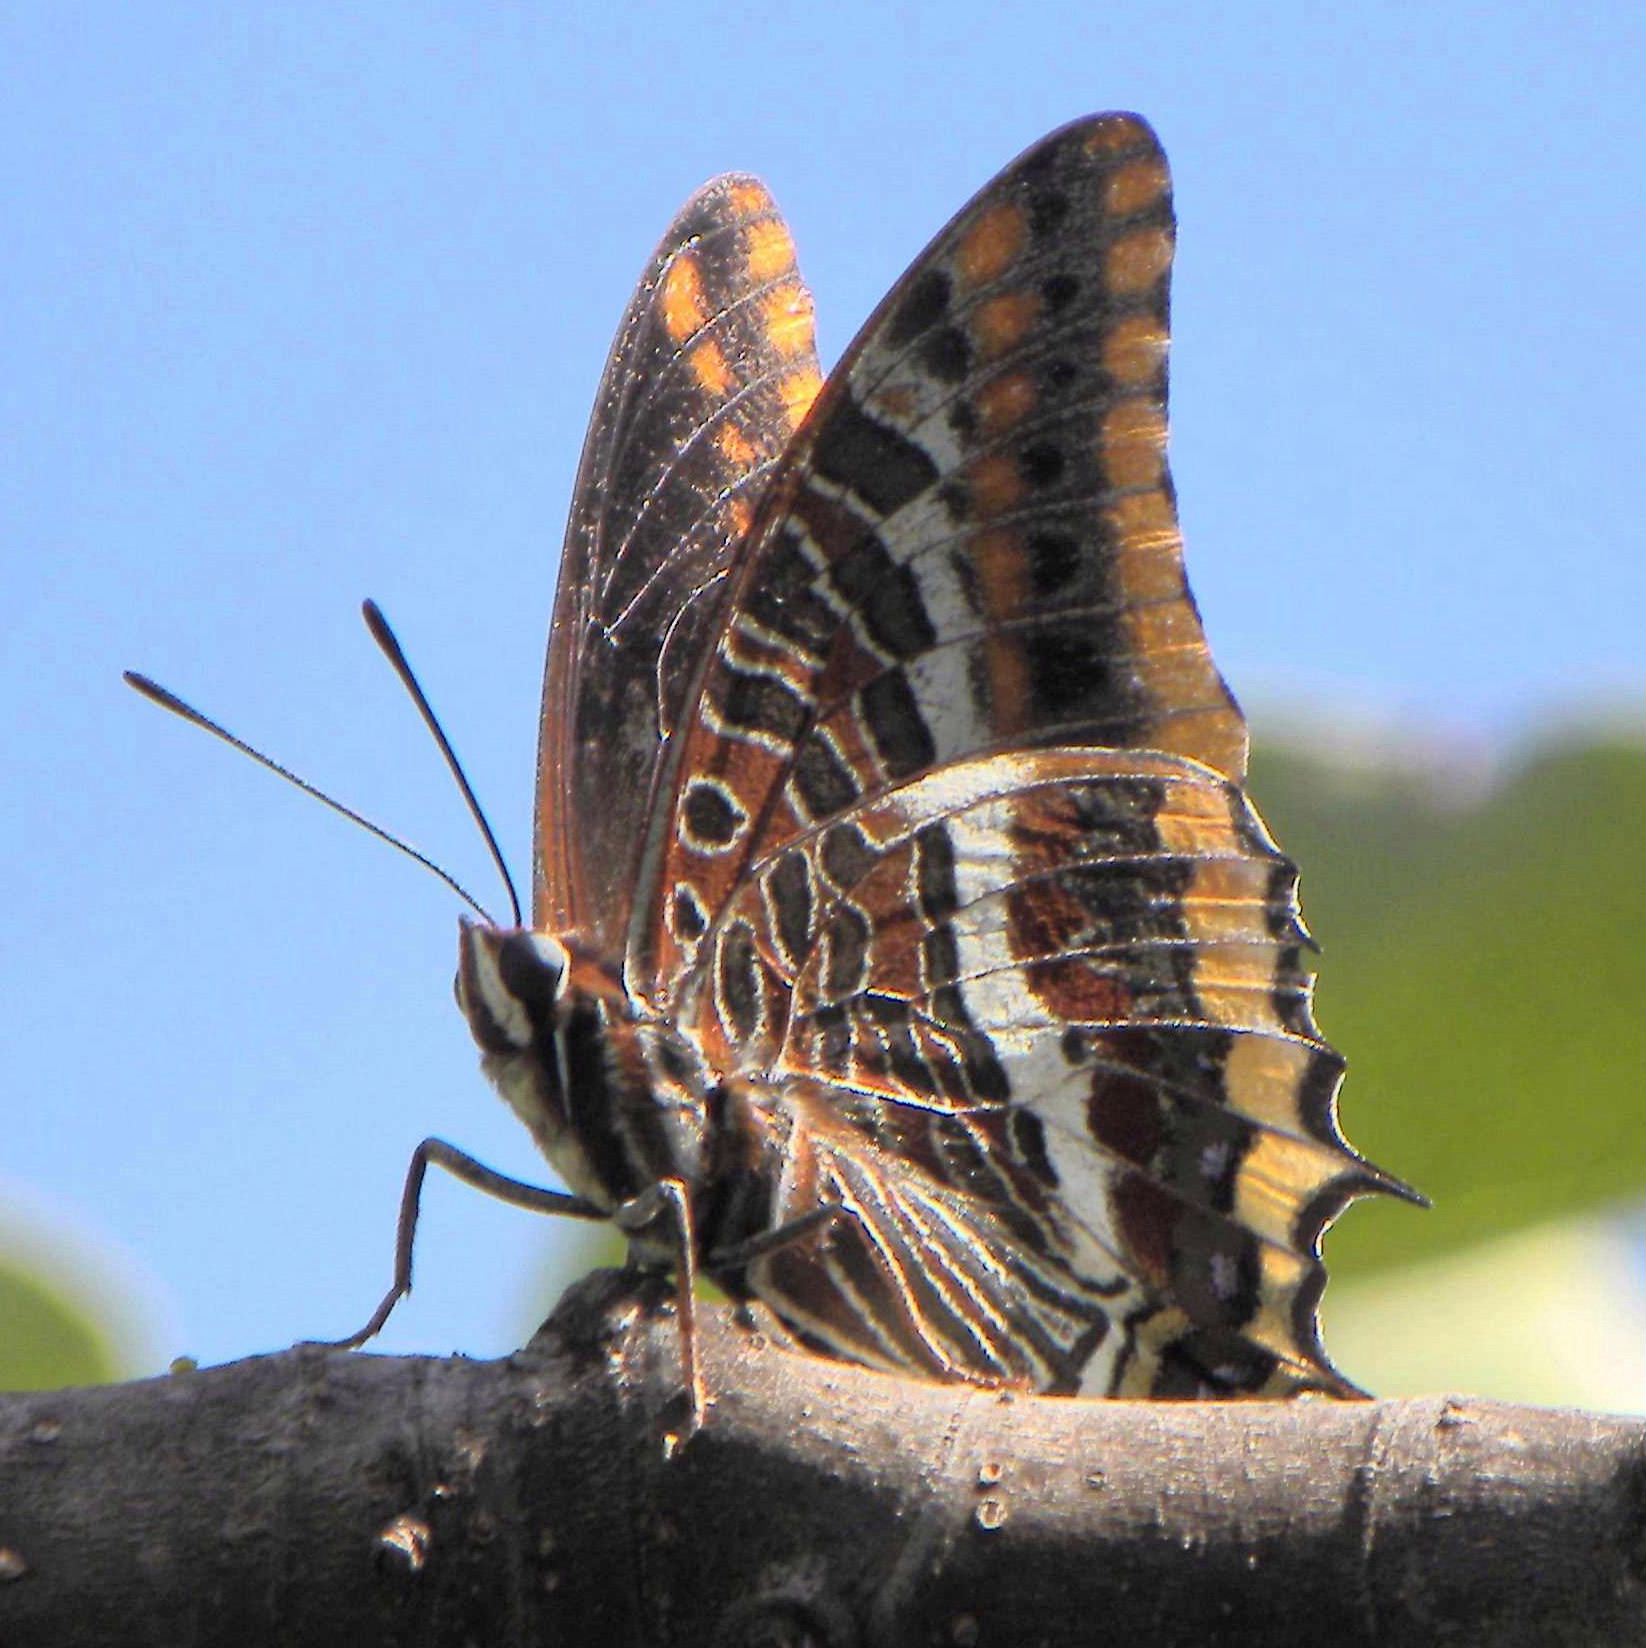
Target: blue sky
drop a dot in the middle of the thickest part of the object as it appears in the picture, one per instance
(305, 303)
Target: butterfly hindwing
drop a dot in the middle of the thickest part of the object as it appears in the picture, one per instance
(713, 368)
(1057, 994)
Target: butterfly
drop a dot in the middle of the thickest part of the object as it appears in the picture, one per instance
(905, 952)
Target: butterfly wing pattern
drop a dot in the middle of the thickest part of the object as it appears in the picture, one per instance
(891, 814)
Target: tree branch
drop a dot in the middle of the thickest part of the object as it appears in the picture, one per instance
(317, 1497)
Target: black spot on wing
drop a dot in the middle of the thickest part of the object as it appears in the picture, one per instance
(870, 460)
(845, 951)
(886, 598)
(1042, 464)
(690, 923)
(1060, 290)
(739, 980)
(947, 355)
(791, 894)
(825, 784)
(926, 304)
(934, 873)
(1073, 670)
(712, 818)
(847, 855)
(1055, 560)
(892, 714)
(761, 703)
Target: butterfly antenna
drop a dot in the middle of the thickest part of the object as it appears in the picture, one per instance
(385, 638)
(170, 701)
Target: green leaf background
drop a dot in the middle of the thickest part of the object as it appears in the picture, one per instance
(1483, 969)
(52, 1336)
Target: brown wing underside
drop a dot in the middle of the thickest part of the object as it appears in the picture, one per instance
(713, 368)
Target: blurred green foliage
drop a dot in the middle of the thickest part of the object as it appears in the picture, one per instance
(49, 1338)
(1484, 972)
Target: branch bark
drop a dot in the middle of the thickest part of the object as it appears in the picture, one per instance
(317, 1497)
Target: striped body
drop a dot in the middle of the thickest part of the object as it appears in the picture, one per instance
(892, 852)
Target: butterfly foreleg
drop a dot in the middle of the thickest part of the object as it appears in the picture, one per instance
(668, 1204)
(461, 1166)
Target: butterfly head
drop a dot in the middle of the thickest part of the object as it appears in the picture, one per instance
(547, 1014)
(511, 986)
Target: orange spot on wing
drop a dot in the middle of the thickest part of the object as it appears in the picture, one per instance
(1225, 900)
(684, 308)
(1136, 262)
(1005, 401)
(798, 391)
(1002, 582)
(1132, 187)
(1116, 132)
(768, 249)
(751, 197)
(1281, 1274)
(1005, 321)
(1278, 1175)
(708, 363)
(1207, 728)
(1193, 713)
(1168, 627)
(1263, 1076)
(1204, 833)
(1149, 548)
(1234, 985)
(734, 446)
(1145, 574)
(1133, 351)
(994, 483)
(1009, 695)
(992, 244)
(1000, 566)
(1132, 444)
(787, 319)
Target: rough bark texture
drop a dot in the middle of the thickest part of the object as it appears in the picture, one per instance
(321, 1497)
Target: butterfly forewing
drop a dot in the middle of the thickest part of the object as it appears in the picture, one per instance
(713, 368)
(972, 543)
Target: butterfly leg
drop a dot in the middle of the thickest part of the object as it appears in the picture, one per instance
(461, 1166)
(737, 1254)
(669, 1200)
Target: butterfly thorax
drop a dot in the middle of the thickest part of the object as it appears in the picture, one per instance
(614, 1098)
